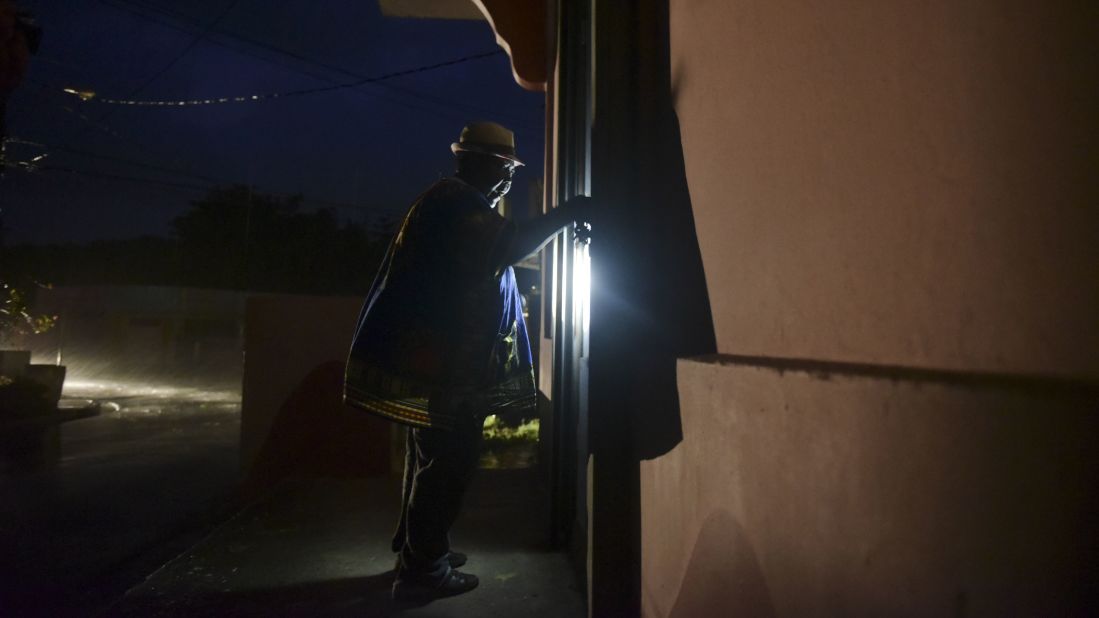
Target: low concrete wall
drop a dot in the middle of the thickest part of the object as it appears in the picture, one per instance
(292, 412)
(801, 494)
(135, 333)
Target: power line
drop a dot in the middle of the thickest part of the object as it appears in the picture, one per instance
(151, 166)
(245, 52)
(29, 166)
(92, 123)
(186, 50)
(439, 105)
(22, 142)
(171, 63)
(141, 164)
(32, 167)
(286, 94)
(203, 34)
(96, 124)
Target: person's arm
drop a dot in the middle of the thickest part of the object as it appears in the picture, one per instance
(533, 234)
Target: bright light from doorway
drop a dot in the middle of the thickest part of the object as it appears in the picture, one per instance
(581, 278)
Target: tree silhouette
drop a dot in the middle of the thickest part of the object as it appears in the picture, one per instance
(235, 238)
(232, 238)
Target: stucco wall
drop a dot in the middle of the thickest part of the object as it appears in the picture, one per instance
(884, 183)
(793, 495)
(286, 337)
(897, 182)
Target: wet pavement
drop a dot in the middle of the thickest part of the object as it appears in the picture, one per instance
(134, 487)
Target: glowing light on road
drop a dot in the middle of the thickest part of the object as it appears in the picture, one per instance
(119, 389)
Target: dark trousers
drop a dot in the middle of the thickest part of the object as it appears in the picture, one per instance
(438, 467)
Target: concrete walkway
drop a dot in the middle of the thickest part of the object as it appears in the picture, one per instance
(321, 548)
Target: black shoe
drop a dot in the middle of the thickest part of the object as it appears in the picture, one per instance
(408, 587)
(455, 559)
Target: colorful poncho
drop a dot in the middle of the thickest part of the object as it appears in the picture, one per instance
(443, 320)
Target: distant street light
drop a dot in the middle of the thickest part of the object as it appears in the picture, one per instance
(85, 95)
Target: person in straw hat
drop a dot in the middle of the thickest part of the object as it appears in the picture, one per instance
(441, 343)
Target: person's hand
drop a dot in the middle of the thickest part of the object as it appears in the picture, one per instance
(580, 209)
(582, 232)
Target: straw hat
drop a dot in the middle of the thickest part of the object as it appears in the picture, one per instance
(487, 138)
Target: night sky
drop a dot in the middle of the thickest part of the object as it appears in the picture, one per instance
(371, 148)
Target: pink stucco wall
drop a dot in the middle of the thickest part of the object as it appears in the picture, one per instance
(884, 183)
(286, 337)
(897, 182)
(796, 496)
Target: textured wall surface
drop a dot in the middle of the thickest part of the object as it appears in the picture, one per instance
(793, 495)
(286, 337)
(885, 183)
(896, 182)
